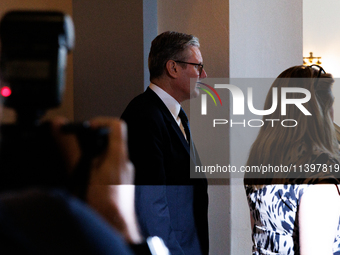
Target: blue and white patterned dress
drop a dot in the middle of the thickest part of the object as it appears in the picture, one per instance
(274, 209)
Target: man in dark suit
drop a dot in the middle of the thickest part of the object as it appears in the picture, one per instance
(169, 203)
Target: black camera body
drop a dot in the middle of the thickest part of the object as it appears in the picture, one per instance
(34, 48)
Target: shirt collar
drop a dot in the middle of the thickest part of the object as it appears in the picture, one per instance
(170, 102)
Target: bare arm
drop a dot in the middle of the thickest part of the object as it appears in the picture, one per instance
(252, 222)
(318, 219)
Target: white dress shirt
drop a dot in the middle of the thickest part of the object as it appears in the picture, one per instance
(171, 103)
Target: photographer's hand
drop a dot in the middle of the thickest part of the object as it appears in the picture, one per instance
(111, 189)
(115, 157)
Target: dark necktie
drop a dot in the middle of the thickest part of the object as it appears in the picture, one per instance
(186, 126)
(185, 123)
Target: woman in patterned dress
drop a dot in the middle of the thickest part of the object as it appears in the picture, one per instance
(297, 211)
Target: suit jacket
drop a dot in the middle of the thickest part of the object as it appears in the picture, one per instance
(169, 204)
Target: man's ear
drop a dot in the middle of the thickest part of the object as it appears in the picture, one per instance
(172, 68)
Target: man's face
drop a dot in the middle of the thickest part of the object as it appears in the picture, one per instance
(189, 76)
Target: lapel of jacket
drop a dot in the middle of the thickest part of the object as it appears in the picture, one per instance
(170, 121)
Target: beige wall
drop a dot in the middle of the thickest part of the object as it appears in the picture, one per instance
(209, 21)
(66, 109)
(109, 56)
(321, 36)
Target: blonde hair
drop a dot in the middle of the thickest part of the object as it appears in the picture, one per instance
(274, 143)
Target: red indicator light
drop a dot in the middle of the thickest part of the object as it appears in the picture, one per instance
(6, 91)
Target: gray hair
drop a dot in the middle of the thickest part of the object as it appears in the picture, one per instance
(166, 46)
